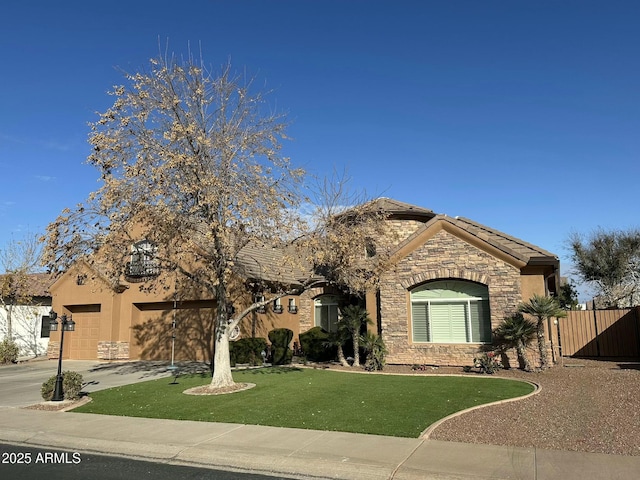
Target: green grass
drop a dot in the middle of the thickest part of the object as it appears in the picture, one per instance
(401, 406)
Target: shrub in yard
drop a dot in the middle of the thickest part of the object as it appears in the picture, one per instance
(487, 362)
(280, 339)
(314, 343)
(247, 350)
(376, 351)
(517, 332)
(71, 386)
(8, 351)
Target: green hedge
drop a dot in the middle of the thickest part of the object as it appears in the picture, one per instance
(8, 351)
(280, 339)
(247, 350)
(314, 344)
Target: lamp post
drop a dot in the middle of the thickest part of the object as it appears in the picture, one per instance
(68, 325)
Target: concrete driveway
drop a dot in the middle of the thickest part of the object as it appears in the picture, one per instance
(20, 384)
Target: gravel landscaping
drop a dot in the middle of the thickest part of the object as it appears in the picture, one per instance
(583, 405)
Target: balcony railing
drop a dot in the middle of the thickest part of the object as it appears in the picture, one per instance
(142, 269)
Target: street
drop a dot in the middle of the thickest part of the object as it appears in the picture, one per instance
(27, 463)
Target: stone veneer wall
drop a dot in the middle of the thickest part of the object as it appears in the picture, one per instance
(400, 230)
(53, 350)
(113, 350)
(444, 256)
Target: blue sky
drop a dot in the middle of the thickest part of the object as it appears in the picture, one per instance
(523, 116)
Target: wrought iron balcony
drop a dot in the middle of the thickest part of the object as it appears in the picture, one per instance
(142, 269)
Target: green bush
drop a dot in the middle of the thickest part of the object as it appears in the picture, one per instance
(247, 350)
(8, 351)
(71, 386)
(280, 339)
(314, 342)
(376, 351)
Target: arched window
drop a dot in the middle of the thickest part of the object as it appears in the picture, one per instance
(326, 312)
(450, 311)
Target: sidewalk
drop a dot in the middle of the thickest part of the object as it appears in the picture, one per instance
(296, 453)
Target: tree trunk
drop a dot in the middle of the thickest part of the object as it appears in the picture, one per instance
(221, 362)
(341, 359)
(542, 347)
(522, 356)
(221, 359)
(9, 310)
(356, 349)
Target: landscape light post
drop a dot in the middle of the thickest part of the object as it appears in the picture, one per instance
(67, 325)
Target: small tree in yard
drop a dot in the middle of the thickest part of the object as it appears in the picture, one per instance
(542, 308)
(376, 351)
(517, 332)
(354, 317)
(191, 161)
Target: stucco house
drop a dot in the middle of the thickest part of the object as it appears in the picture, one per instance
(448, 282)
(28, 313)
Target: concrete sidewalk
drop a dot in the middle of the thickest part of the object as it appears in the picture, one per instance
(295, 453)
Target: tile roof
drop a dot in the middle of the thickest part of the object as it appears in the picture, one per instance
(37, 284)
(396, 207)
(515, 247)
(261, 261)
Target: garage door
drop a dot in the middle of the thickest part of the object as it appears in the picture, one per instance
(83, 342)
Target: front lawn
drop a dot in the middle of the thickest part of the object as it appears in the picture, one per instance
(395, 405)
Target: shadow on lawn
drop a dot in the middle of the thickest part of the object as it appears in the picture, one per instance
(273, 370)
(152, 368)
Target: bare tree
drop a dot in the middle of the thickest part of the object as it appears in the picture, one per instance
(191, 161)
(18, 260)
(609, 260)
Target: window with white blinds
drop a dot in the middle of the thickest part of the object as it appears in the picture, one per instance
(450, 312)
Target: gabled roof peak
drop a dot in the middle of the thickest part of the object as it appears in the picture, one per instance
(396, 207)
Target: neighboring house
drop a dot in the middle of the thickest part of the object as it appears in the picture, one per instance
(29, 319)
(448, 283)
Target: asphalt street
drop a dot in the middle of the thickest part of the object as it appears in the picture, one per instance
(27, 463)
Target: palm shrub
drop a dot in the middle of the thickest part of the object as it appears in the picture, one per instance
(376, 351)
(71, 386)
(543, 308)
(334, 342)
(353, 318)
(8, 351)
(517, 332)
(280, 339)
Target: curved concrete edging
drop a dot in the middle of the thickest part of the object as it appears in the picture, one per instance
(429, 430)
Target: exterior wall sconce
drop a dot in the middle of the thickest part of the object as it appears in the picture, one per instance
(67, 325)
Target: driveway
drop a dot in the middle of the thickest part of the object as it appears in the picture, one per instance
(20, 384)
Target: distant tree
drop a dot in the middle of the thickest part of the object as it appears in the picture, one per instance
(542, 308)
(191, 161)
(18, 260)
(568, 296)
(610, 261)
